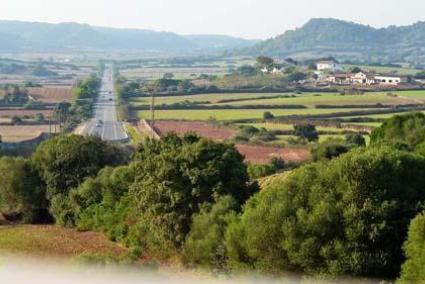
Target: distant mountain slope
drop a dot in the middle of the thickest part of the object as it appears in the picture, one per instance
(220, 41)
(348, 40)
(29, 36)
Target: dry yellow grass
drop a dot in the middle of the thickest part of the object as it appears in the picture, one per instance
(54, 241)
(18, 133)
(51, 94)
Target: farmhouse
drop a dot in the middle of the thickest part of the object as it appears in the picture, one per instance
(362, 78)
(391, 80)
(273, 71)
(340, 79)
(328, 65)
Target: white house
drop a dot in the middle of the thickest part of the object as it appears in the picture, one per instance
(362, 78)
(328, 65)
(390, 80)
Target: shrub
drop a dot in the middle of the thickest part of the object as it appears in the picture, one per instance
(329, 149)
(346, 216)
(406, 129)
(306, 131)
(16, 120)
(258, 171)
(355, 139)
(205, 243)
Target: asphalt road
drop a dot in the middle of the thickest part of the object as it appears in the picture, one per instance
(104, 123)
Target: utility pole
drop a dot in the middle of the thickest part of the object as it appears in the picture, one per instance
(152, 114)
(152, 90)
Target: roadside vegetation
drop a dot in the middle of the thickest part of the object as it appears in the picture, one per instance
(197, 201)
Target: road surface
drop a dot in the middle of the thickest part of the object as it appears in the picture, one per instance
(104, 123)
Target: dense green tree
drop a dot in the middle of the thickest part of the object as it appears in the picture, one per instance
(176, 176)
(15, 95)
(264, 62)
(267, 115)
(66, 160)
(16, 120)
(329, 149)
(408, 130)
(246, 70)
(297, 76)
(346, 216)
(22, 193)
(355, 139)
(96, 201)
(356, 70)
(168, 75)
(306, 131)
(88, 88)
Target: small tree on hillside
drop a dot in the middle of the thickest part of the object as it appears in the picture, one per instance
(306, 131)
(267, 115)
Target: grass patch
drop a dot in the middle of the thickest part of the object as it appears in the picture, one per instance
(52, 241)
(135, 135)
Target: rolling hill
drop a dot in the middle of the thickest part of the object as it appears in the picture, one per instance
(347, 40)
(17, 36)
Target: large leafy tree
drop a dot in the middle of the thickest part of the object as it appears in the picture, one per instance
(346, 216)
(176, 176)
(65, 161)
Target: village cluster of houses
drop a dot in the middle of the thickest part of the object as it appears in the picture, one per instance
(331, 72)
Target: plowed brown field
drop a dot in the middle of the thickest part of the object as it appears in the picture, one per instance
(253, 153)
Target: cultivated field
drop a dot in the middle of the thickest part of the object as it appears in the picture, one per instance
(19, 133)
(7, 113)
(253, 105)
(51, 94)
(202, 128)
(256, 154)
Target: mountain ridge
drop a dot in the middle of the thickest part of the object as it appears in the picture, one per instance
(24, 36)
(345, 39)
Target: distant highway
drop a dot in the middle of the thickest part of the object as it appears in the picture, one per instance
(104, 123)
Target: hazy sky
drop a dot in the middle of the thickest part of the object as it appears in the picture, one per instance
(245, 18)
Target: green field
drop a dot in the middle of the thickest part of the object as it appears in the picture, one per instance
(233, 114)
(306, 99)
(246, 101)
(212, 98)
